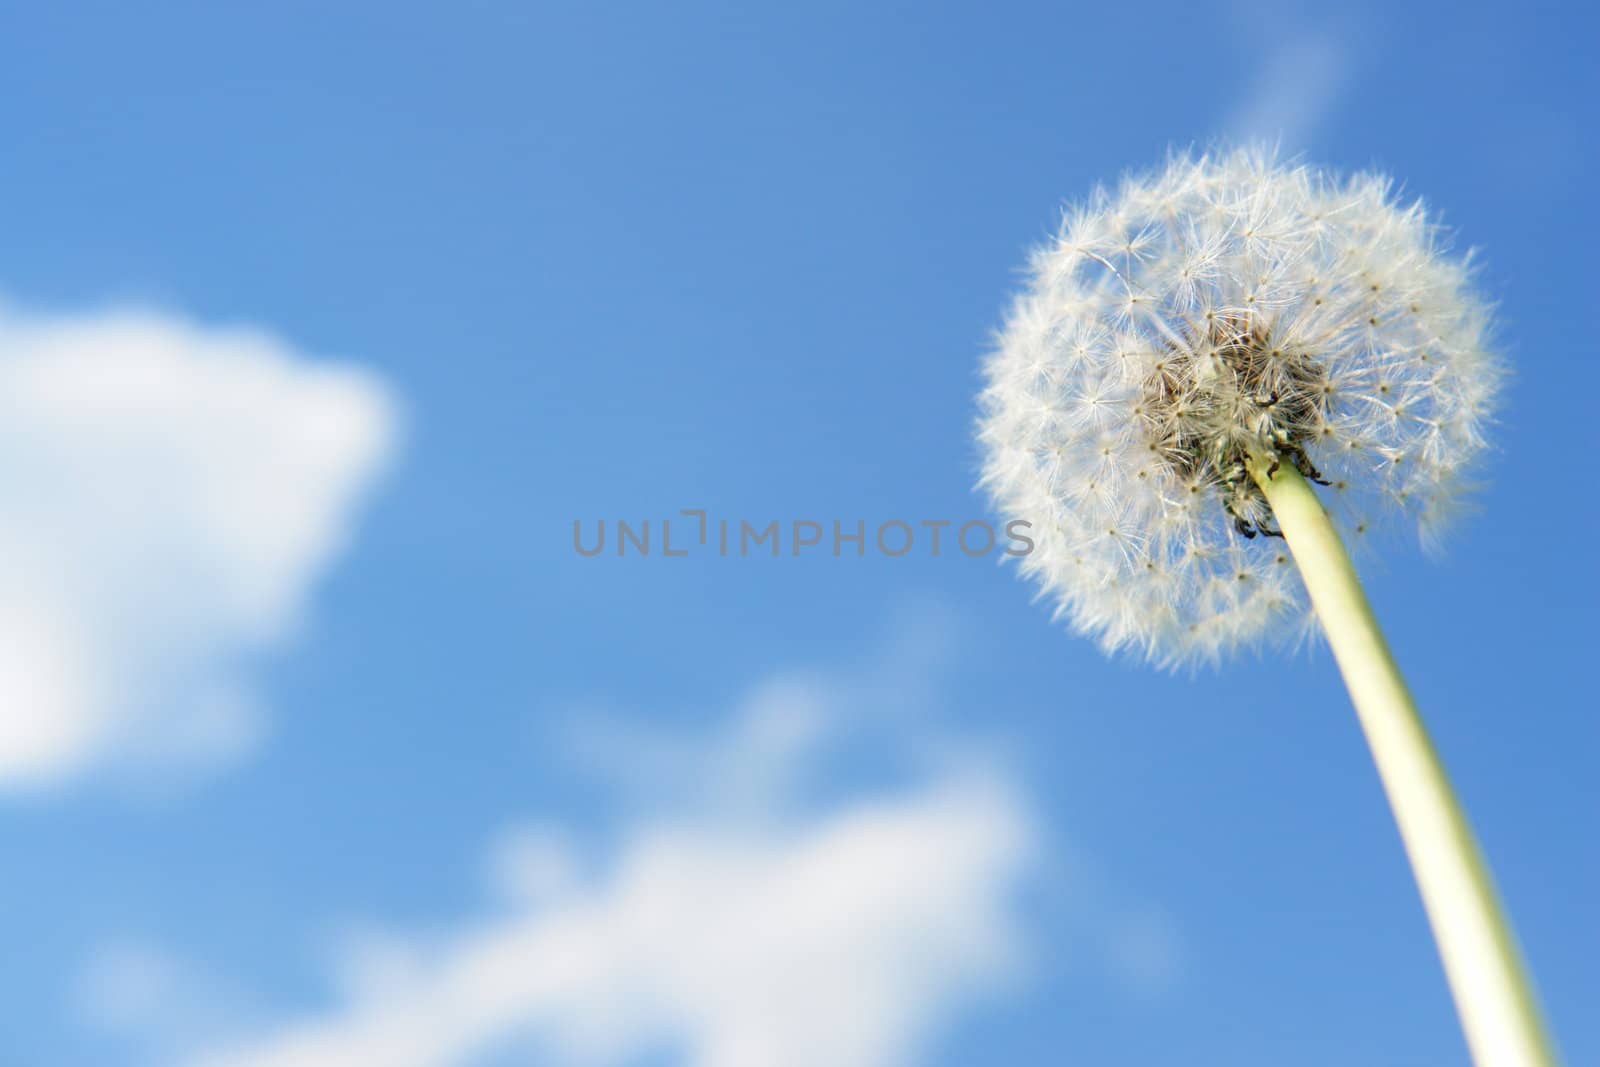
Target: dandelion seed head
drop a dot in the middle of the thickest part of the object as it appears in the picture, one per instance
(1221, 307)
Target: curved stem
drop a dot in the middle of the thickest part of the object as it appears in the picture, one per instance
(1493, 995)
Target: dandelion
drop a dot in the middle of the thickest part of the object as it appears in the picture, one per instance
(1193, 353)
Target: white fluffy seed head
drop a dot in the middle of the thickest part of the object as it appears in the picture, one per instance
(1220, 306)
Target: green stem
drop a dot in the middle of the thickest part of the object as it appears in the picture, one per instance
(1493, 995)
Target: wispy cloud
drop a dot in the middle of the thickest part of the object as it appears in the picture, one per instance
(138, 992)
(1294, 90)
(723, 921)
(845, 942)
(171, 493)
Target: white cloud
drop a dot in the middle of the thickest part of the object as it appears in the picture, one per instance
(724, 926)
(169, 493)
(752, 767)
(533, 863)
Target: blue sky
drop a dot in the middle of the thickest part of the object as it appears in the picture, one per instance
(318, 331)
